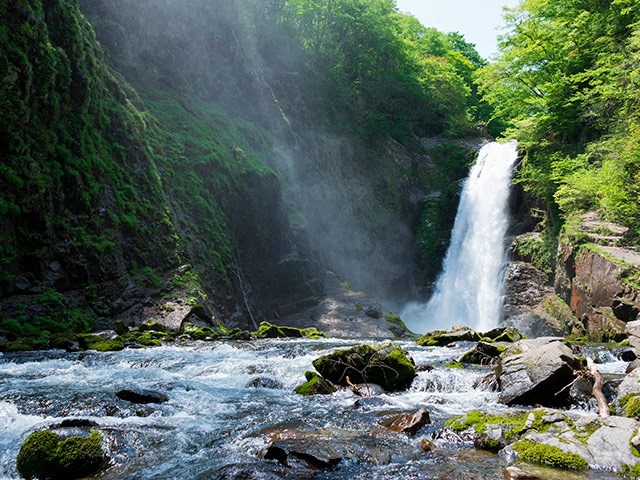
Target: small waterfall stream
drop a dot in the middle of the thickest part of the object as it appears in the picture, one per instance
(469, 290)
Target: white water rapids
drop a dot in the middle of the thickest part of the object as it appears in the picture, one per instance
(470, 289)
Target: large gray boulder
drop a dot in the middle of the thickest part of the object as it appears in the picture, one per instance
(537, 376)
(633, 330)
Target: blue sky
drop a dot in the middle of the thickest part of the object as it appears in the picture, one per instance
(477, 20)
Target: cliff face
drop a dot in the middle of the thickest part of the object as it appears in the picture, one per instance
(110, 211)
(593, 290)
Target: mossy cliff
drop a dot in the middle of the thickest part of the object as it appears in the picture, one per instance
(102, 193)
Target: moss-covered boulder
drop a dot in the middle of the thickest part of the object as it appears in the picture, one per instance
(198, 332)
(267, 330)
(484, 353)
(440, 338)
(503, 334)
(100, 344)
(549, 455)
(65, 341)
(149, 338)
(386, 365)
(45, 455)
(315, 385)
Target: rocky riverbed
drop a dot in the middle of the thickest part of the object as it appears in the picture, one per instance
(228, 410)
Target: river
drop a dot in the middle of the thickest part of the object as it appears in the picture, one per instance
(214, 425)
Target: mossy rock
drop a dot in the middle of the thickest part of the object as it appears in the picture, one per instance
(152, 326)
(44, 455)
(197, 332)
(149, 338)
(441, 338)
(22, 345)
(630, 405)
(454, 364)
(63, 340)
(397, 326)
(315, 385)
(484, 353)
(385, 365)
(94, 342)
(549, 455)
(504, 334)
(267, 330)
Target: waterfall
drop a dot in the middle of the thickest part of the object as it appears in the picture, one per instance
(469, 290)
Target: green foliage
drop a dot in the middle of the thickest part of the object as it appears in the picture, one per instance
(567, 81)
(549, 455)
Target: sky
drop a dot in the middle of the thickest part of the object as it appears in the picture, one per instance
(477, 20)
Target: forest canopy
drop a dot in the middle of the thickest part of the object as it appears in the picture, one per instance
(566, 82)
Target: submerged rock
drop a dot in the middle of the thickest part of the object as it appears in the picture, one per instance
(45, 455)
(264, 382)
(142, 396)
(406, 422)
(537, 376)
(386, 365)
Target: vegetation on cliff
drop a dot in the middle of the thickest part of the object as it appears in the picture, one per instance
(155, 145)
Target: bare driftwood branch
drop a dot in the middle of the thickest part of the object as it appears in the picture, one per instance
(355, 388)
(598, 383)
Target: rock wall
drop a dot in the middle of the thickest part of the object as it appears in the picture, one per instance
(595, 279)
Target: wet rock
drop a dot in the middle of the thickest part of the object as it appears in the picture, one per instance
(633, 331)
(484, 353)
(386, 365)
(441, 338)
(315, 385)
(531, 305)
(288, 458)
(142, 396)
(374, 447)
(45, 455)
(515, 473)
(503, 334)
(427, 445)
(197, 332)
(152, 326)
(241, 335)
(537, 376)
(77, 423)
(487, 383)
(632, 366)
(264, 382)
(98, 343)
(554, 437)
(406, 422)
(626, 354)
(268, 330)
(64, 341)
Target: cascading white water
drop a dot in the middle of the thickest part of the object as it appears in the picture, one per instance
(469, 290)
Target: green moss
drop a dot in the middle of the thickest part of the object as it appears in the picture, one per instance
(94, 342)
(37, 454)
(59, 340)
(196, 332)
(633, 472)
(454, 364)
(267, 330)
(43, 455)
(549, 455)
(385, 365)
(630, 405)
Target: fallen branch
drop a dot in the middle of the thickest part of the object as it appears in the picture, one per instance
(355, 388)
(598, 383)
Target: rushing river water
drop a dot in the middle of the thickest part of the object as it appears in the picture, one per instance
(214, 425)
